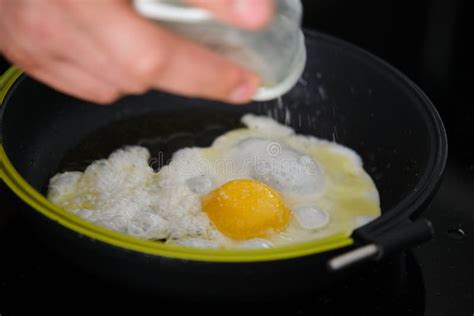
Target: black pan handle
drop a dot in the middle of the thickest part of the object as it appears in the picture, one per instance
(405, 235)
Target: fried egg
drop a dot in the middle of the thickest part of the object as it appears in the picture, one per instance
(261, 186)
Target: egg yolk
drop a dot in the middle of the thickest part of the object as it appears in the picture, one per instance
(244, 209)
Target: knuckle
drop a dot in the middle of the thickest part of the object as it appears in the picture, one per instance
(149, 66)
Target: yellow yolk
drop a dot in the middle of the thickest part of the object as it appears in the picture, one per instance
(244, 209)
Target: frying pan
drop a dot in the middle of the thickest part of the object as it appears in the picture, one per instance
(345, 95)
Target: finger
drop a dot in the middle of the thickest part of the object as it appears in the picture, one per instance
(68, 46)
(74, 81)
(194, 71)
(248, 14)
(96, 62)
(168, 62)
(73, 45)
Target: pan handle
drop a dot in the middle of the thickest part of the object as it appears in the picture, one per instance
(405, 235)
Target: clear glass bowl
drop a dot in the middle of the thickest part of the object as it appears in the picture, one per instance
(277, 53)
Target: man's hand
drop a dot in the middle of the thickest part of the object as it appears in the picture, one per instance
(99, 50)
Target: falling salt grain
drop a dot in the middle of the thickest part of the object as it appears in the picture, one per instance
(287, 116)
(322, 92)
(303, 82)
(280, 103)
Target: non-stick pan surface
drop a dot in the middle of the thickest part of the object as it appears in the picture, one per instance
(345, 95)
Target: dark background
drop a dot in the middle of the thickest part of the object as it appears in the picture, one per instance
(429, 40)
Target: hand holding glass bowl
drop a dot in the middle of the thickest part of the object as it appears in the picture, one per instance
(276, 52)
(101, 50)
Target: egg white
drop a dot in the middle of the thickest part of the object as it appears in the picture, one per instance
(323, 184)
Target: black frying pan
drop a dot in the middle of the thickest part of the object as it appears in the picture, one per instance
(345, 95)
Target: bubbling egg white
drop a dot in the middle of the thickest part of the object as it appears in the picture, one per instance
(321, 183)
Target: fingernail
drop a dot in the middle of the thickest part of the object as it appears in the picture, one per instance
(243, 93)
